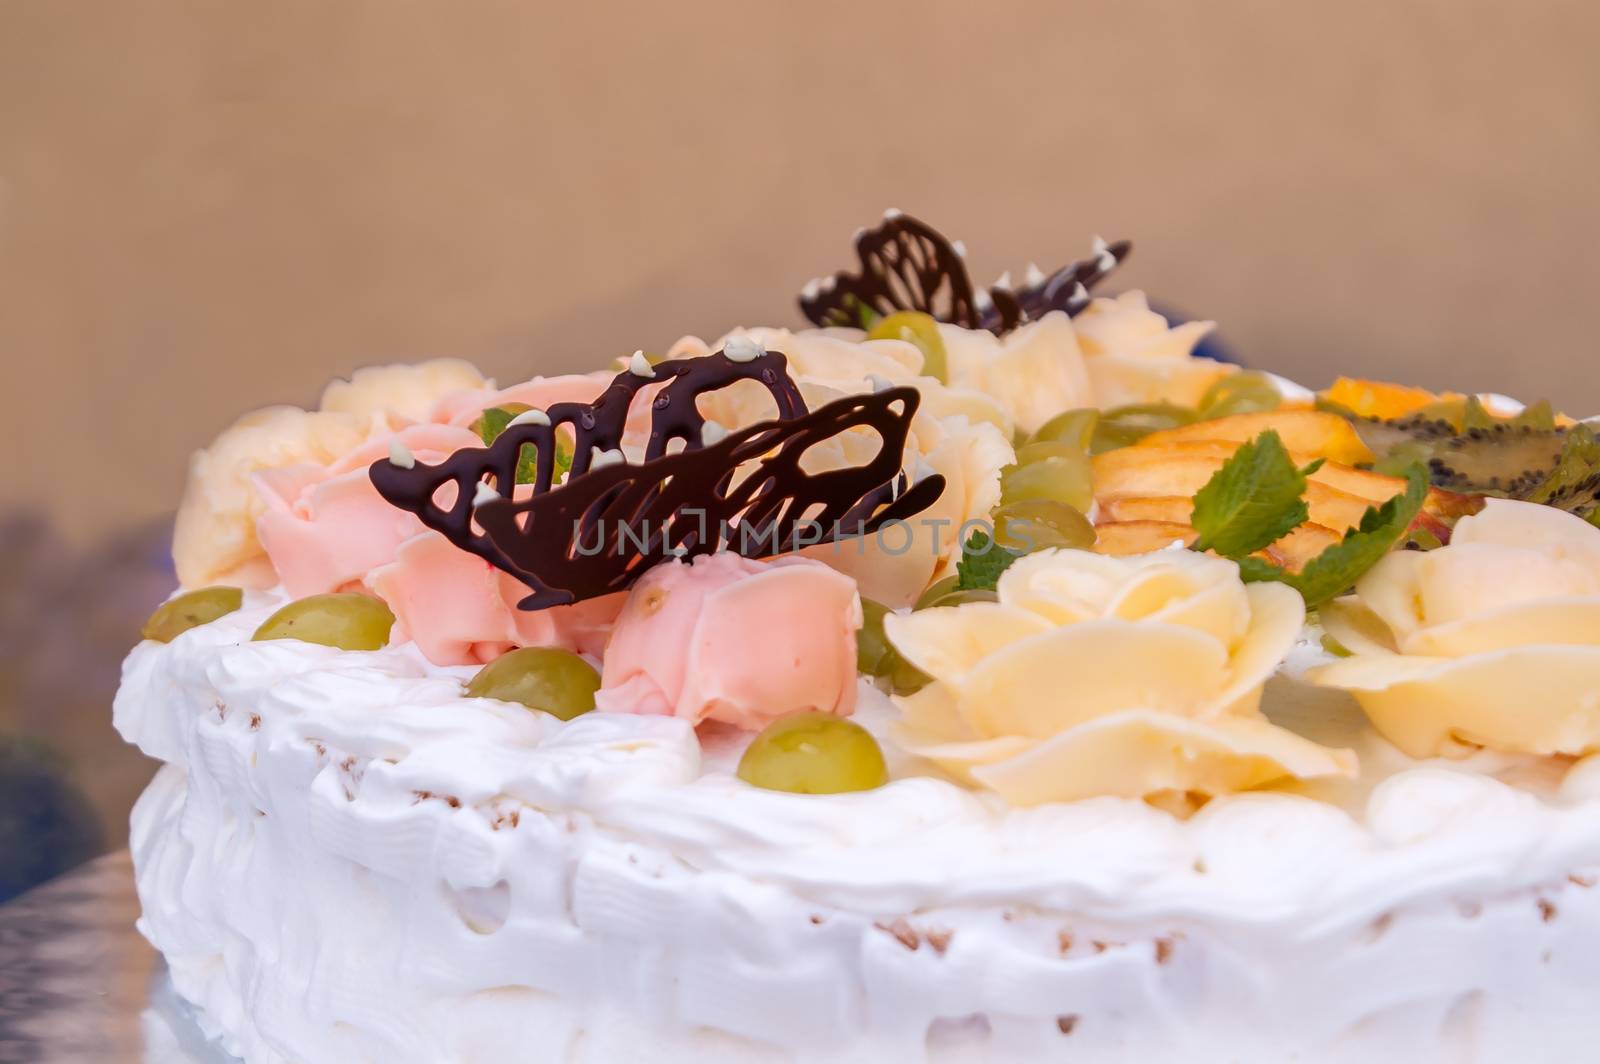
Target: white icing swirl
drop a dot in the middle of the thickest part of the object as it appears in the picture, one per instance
(345, 859)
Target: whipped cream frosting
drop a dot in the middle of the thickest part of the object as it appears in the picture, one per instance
(344, 859)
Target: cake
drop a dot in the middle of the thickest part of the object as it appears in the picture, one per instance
(974, 675)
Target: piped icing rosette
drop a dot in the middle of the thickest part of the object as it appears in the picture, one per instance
(1133, 356)
(1095, 675)
(683, 646)
(215, 536)
(1491, 641)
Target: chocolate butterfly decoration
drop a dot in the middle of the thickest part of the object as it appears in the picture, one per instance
(906, 264)
(610, 521)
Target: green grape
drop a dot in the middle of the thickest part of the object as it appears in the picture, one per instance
(1075, 427)
(905, 678)
(558, 682)
(1039, 450)
(920, 329)
(1058, 477)
(1039, 523)
(349, 621)
(936, 592)
(1240, 393)
(814, 753)
(1127, 425)
(191, 610)
(872, 646)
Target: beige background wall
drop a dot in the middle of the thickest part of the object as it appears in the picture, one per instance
(210, 206)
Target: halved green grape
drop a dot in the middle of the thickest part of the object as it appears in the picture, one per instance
(1127, 425)
(190, 610)
(556, 681)
(349, 621)
(1063, 478)
(814, 753)
(920, 329)
(937, 591)
(905, 678)
(872, 646)
(1074, 426)
(1039, 450)
(1039, 523)
(1240, 393)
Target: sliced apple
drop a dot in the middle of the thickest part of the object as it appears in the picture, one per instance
(1165, 474)
(1312, 432)
(1141, 537)
(1176, 509)
(1110, 467)
(1293, 551)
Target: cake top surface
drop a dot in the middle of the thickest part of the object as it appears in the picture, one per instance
(1015, 562)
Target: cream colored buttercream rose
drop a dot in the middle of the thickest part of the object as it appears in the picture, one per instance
(1491, 641)
(1133, 356)
(214, 539)
(1092, 675)
(1035, 372)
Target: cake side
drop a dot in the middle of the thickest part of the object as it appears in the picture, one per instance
(345, 860)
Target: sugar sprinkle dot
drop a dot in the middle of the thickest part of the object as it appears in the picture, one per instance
(742, 349)
(534, 416)
(400, 455)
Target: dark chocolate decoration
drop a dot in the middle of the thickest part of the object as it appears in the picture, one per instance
(605, 526)
(906, 264)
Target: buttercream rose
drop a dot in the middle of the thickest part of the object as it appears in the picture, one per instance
(1491, 641)
(730, 639)
(1133, 356)
(214, 540)
(1092, 675)
(1034, 372)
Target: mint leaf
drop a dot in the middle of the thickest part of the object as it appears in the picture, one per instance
(982, 562)
(496, 419)
(1333, 572)
(1253, 501)
(1253, 570)
(492, 422)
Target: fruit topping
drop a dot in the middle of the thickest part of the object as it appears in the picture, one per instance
(348, 621)
(920, 330)
(555, 681)
(814, 753)
(190, 610)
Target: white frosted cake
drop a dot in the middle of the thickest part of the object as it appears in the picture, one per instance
(1089, 700)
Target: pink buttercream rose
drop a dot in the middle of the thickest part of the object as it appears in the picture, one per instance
(734, 640)
(326, 528)
(461, 610)
(464, 407)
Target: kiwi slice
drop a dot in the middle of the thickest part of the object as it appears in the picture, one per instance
(1498, 456)
(1574, 484)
